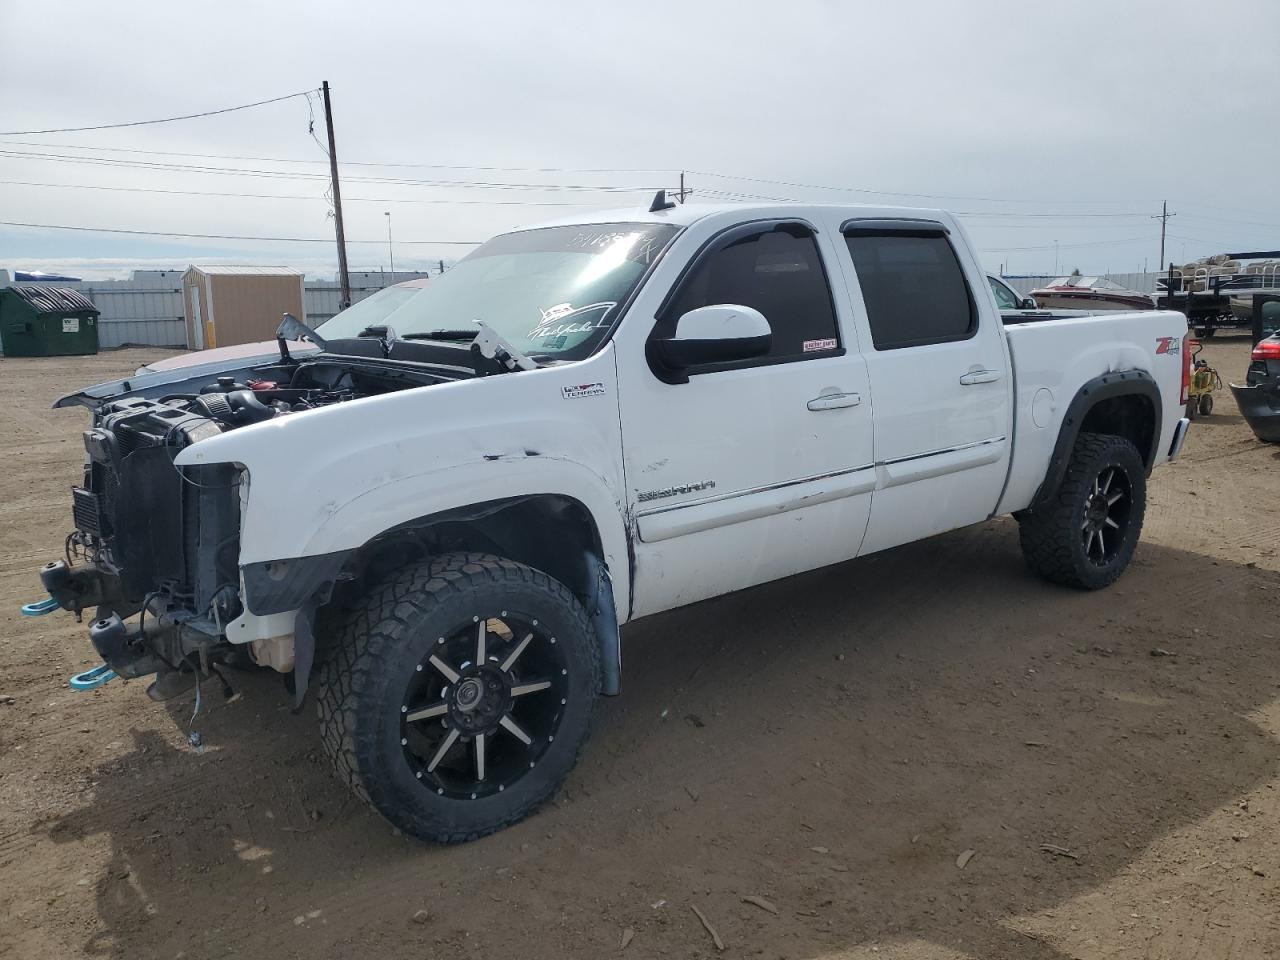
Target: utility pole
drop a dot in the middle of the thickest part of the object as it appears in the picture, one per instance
(391, 254)
(343, 276)
(1163, 217)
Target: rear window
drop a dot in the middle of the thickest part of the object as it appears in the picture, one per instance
(913, 287)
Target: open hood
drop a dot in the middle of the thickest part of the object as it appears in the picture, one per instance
(188, 366)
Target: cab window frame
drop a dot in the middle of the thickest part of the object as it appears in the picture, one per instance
(716, 244)
(922, 229)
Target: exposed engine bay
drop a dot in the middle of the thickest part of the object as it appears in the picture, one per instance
(160, 542)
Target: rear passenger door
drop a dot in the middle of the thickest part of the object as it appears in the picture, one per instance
(939, 371)
(755, 469)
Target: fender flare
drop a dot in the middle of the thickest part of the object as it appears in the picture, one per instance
(1121, 383)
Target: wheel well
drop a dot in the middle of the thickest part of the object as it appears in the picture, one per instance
(1130, 416)
(550, 532)
(1125, 403)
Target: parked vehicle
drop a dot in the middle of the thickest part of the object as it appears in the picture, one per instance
(1090, 293)
(1259, 397)
(1007, 298)
(451, 513)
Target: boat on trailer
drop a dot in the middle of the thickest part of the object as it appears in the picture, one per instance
(1090, 293)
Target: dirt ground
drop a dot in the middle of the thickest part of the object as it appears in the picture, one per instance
(923, 754)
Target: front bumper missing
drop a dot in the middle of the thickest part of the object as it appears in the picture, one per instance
(160, 641)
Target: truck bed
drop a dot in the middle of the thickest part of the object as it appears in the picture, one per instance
(1052, 361)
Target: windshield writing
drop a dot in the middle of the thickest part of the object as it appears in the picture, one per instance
(552, 292)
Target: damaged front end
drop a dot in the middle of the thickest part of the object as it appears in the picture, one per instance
(153, 540)
(155, 553)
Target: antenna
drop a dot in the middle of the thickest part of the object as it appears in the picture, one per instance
(660, 202)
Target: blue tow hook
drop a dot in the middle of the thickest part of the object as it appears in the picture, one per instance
(40, 607)
(92, 679)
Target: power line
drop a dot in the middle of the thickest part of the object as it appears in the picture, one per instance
(347, 163)
(887, 193)
(517, 203)
(1064, 246)
(219, 236)
(298, 175)
(144, 123)
(1221, 244)
(1053, 216)
(297, 196)
(1246, 223)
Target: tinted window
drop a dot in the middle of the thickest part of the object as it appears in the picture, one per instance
(1005, 299)
(778, 272)
(913, 288)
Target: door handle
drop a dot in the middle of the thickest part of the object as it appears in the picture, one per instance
(834, 401)
(980, 376)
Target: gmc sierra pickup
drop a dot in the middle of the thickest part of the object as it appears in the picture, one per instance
(436, 516)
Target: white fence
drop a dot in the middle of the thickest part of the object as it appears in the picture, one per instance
(146, 312)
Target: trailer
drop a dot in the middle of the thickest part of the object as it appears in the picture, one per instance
(1228, 291)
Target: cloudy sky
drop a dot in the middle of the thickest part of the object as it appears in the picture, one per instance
(1055, 129)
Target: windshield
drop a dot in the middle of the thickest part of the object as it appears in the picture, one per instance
(552, 292)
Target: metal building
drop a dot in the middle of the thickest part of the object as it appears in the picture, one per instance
(226, 305)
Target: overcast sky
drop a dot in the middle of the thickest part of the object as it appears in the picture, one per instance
(1061, 123)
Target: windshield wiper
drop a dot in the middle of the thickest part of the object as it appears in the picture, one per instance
(449, 334)
(492, 352)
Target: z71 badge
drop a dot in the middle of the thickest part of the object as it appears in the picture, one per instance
(1168, 345)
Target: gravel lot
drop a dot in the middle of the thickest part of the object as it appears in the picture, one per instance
(922, 754)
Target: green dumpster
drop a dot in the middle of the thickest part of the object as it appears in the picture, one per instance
(39, 321)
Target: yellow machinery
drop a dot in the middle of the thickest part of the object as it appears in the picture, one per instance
(1204, 381)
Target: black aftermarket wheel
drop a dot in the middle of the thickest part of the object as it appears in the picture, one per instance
(458, 696)
(1085, 535)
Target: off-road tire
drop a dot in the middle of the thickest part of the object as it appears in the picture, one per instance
(1206, 405)
(363, 675)
(1052, 534)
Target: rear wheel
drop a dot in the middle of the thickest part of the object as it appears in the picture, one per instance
(459, 694)
(1206, 405)
(1085, 535)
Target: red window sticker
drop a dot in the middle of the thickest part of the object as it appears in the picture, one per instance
(812, 346)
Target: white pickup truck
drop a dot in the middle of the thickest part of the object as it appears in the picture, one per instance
(453, 503)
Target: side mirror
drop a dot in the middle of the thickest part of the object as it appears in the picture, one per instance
(717, 334)
(1028, 303)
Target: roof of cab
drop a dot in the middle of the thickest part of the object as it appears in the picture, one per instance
(684, 215)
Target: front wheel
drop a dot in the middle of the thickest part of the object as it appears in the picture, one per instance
(459, 693)
(1085, 535)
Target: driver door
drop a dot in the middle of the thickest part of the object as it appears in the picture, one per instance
(754, 469)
